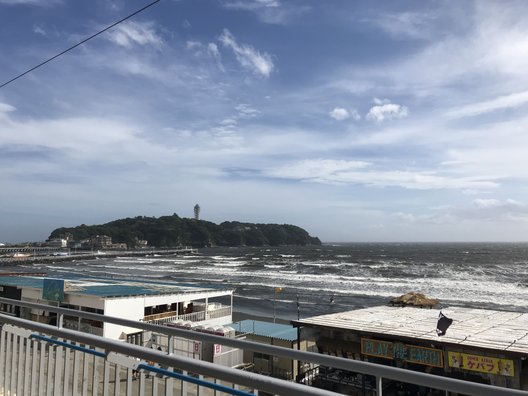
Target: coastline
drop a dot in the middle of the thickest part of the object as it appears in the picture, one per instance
(54, 257)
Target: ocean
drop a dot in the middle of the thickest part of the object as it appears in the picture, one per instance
(335, 277)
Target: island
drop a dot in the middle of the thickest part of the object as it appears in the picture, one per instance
(174, 231)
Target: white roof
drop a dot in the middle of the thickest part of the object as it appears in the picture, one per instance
(478, 328)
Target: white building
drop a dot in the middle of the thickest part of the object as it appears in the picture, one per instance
(147, 301)
(57, 243)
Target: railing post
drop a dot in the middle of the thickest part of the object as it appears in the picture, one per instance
(379, 386)
(183, 385)
(60, 320)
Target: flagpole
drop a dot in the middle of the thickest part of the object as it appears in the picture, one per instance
(298, 377)
(274, 300)
(276, 290)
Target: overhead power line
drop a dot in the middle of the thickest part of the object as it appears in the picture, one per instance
(80, 43)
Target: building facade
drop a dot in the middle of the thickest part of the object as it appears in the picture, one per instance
(485, 346)
(151, 302)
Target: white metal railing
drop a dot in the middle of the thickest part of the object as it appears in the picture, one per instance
(130, 357)
(218, 312)
(192, 317)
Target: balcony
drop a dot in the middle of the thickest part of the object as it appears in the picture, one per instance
(200, 314)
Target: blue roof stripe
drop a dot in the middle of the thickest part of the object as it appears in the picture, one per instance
(266, 329)
(110, 287)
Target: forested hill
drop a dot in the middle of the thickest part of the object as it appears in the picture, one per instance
(173, 231)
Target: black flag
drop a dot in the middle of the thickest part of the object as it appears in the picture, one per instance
(443, 323)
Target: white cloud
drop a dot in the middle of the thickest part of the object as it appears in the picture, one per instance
(493, 210)
(316, 170)
(355, 115)
(348, 172)
(268, 11)
(6, 108)
(194, 45)
(502, 102)
(251, 4)
(208, 50)
(509, 204)
(39, 30)
(248, 56)
(44, 3)
(486, 203)
(246, 111)
(213, 50)
(130, 33)
(403, 25)
(229, 122)
(378, 101)
(388, 111)
(339, 114)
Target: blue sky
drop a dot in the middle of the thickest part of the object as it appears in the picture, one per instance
(357, 120)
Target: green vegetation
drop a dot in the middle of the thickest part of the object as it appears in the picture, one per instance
(173, 231)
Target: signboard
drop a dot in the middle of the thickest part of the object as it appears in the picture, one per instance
(481, 364)
(426, 356)
(53, 290)
(382, 349)
(398, 350)
(217, 349)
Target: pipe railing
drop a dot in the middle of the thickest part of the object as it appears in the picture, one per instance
(230, 375)
(378, 371)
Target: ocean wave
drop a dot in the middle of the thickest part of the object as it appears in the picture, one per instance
(230, 264)
(225, 258)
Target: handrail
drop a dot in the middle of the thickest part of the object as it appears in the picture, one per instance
(68, 345)
(251, 380)
(377, 370)
(195, 381)
(142, 366)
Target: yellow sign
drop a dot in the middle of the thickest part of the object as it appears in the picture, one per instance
(482, 364)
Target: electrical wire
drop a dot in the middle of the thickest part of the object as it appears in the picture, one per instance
(80, 43)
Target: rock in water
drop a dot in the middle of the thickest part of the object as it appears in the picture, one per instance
(414, 299)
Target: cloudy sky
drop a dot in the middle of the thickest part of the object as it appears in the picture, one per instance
(357, 120)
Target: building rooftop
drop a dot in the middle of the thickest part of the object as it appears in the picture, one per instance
(477, 328)
(266, 329)
(108, 288)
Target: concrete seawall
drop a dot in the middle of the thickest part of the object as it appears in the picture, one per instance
(53, 258)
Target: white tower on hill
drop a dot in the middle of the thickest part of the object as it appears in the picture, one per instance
(197, 212)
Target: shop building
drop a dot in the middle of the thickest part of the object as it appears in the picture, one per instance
(485, 346)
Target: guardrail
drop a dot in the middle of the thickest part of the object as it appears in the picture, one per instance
(251, 381)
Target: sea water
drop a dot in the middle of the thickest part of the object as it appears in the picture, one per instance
(335, 277)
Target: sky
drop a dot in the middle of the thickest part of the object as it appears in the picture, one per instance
(356, 120)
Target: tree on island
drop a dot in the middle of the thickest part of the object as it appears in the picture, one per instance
(173, 231)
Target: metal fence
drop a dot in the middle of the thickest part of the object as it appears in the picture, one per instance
(38, 359)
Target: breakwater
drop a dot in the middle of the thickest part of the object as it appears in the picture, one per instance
(61, 256)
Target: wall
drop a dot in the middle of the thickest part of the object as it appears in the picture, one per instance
(35, 295)
(132, 308)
